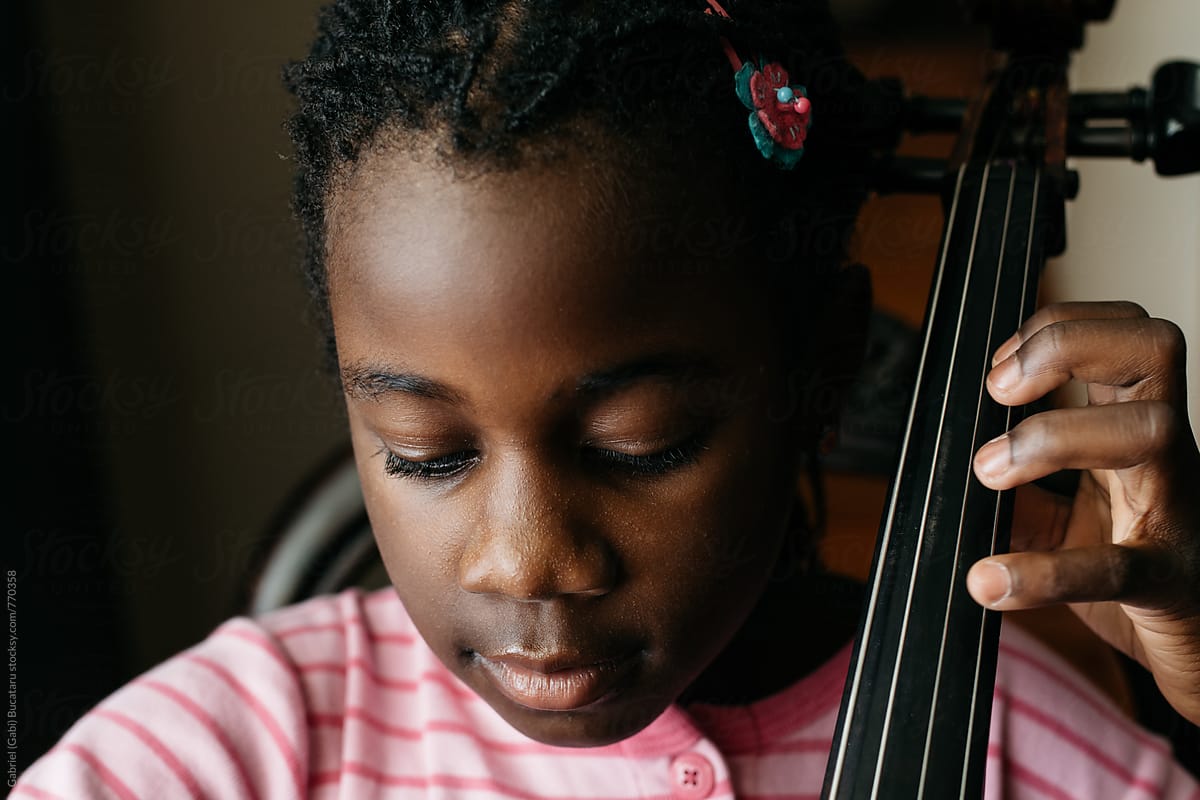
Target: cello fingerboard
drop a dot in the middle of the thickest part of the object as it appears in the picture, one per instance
(915, 714)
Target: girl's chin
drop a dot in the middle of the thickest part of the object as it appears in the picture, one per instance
(613, 719)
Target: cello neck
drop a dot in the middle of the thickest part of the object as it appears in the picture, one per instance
(915, 713)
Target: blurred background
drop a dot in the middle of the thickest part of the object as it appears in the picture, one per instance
(164, 399)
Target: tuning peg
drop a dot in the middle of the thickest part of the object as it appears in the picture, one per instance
(1175, 118)
(1163, 122)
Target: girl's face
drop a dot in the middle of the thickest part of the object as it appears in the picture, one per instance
(570, 449)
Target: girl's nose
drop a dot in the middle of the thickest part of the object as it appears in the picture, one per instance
(527, 546)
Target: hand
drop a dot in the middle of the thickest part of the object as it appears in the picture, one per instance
(1125, 552)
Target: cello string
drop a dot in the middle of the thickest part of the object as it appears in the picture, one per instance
(869, 621)
(1022, 311)
(972, 713)
(1012, 180)
(912, 582)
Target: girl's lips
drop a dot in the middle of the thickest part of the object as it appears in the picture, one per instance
(536, 686)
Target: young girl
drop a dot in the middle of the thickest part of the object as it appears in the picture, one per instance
(589, 336)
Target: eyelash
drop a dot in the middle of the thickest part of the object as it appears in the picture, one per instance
(434, 469)
(660, 463)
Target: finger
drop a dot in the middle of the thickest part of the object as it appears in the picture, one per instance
(1062, 312)
(1116, 436)
(1142, 576)
(1143, 356)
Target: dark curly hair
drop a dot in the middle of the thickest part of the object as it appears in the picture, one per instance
(492, 85)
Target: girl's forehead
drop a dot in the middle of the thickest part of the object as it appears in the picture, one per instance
(387, 178)
(522, 266)
(398, 219)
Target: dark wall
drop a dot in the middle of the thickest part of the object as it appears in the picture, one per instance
(163, 393)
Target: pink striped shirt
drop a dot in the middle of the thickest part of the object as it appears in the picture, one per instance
(339, 697)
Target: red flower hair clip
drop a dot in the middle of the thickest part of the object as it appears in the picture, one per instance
(780, 114)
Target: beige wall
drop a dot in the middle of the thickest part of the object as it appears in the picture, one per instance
(1134, 235)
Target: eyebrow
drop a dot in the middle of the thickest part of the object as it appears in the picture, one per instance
(375, 381)
(371, 382)
(667, 366)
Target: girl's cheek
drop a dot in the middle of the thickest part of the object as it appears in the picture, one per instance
(713, 533)
(417, 534)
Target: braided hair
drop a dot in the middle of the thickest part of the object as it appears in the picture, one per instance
(493, 85)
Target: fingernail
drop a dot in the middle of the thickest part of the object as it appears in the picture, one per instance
(1006, 375)
(994, 457)
(993, 583)
(1005, 350)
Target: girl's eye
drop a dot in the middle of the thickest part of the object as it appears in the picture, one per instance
(660, 463)
(448, 466)
(433, 469)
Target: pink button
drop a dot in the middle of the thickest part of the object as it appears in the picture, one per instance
(692, 775)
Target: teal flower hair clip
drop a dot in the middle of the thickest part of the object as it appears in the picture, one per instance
(780, 114)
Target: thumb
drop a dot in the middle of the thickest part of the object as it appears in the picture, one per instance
(1138, 575)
